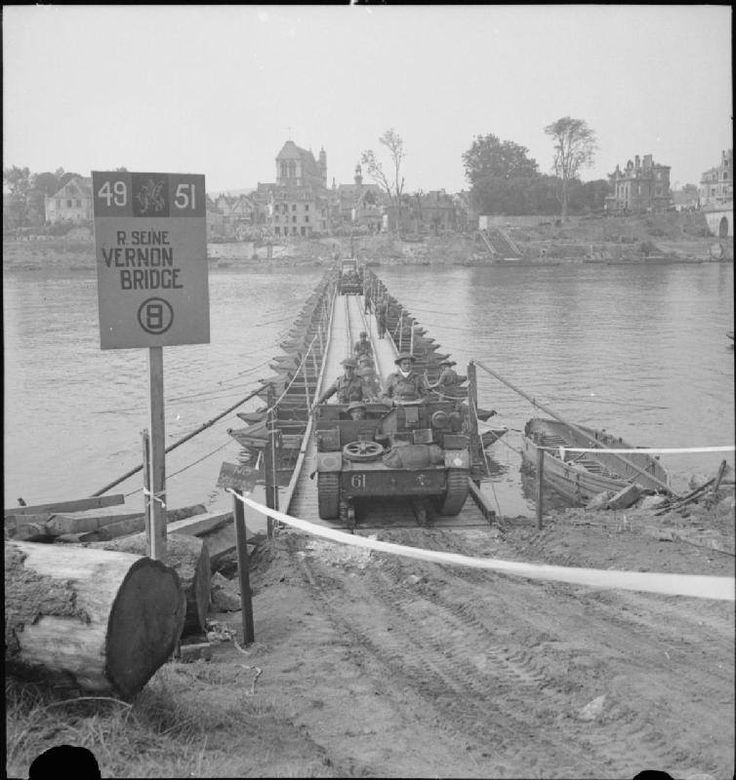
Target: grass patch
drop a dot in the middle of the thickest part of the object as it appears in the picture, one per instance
(191, 720)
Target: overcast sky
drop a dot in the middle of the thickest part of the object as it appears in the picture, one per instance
(218, 89)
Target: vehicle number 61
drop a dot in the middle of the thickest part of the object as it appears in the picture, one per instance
(357, 481)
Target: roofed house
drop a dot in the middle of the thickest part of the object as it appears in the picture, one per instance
(357, 203)
(686, 199)
(72, 203)
(642, 186)
(716, 184)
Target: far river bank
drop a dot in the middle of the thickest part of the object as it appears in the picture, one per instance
(652, 239)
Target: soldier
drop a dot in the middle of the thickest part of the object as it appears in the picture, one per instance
(404, 384)
(348, 387)
(381, 316)
(449, 381)
(356, 410)
(362, 346)
(367, 373)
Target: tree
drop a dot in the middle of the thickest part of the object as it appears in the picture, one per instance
(499, 173)
(43, 185)
(392, 184)
(491, 157)
(18, 182)
(575, 145)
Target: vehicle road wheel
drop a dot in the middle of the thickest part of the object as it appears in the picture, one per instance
(457, 492)
(328, 495)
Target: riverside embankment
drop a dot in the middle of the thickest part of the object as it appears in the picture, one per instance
(664, 238)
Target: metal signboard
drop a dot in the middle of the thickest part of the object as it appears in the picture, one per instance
(240, 478)
(151, 251)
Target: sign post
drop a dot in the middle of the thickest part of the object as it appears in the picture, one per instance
(237, 479)
(152, 288)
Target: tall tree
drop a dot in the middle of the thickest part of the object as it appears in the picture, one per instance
(18, 182)
(499, 172)
(491, 157)
(42, 185)
(392, 183)
(574, 145)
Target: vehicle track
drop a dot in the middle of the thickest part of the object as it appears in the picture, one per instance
(480, 690)
(465, 658)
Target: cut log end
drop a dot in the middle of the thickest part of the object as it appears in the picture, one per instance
(144, 625)
(100, 620)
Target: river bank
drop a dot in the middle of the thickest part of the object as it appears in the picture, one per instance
(666, 238)
(371, 665)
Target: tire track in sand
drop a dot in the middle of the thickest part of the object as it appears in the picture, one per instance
(480, 692)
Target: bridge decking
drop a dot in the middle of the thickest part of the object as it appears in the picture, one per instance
(348, 320)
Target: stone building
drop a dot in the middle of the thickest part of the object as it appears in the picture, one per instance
(296, 204)
(356, 205)
(716, 196)
(716, 184)
(642, 186)
(72, 203)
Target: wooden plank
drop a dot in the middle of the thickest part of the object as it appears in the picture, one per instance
(138, 523)
(78, 505)
(199, 525)
(481, 501)
(82, 523)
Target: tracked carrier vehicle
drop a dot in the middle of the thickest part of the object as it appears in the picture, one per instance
(415, 451)
(350, 281)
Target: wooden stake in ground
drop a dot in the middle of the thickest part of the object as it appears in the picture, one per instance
(246, 600)
(540, 486)
(103, 621)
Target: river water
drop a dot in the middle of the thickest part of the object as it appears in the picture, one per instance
(640, 351)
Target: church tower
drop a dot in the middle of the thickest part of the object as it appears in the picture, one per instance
(323, 166)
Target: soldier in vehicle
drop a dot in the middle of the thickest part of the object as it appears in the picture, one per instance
(405, 384)
(356, 410)
(367, 372)
(449, 381)
(362, 346)
(349, 386)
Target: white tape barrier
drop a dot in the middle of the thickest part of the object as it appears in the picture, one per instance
(644, 450)
(695, 585)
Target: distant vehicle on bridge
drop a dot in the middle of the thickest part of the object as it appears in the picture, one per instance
(351, 278)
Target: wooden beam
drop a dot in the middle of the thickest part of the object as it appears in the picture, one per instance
(481, 501)
(200, 525)
(79, 505)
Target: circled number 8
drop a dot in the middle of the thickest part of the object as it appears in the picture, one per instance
(185, 196)
(116, 192)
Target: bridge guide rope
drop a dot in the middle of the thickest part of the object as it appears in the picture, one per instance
(688, 585)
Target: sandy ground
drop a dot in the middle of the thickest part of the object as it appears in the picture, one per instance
(398, 668)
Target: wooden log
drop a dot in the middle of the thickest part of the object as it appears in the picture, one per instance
(26, 527)
(30, 527)
(138, 523)
(68, 506)
(103, 621)
(189, 557)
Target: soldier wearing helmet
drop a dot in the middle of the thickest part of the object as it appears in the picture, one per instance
(449, 381)
(348, 387)
(363, 346)
(405, 384)
(356, 410)
(367, 372)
